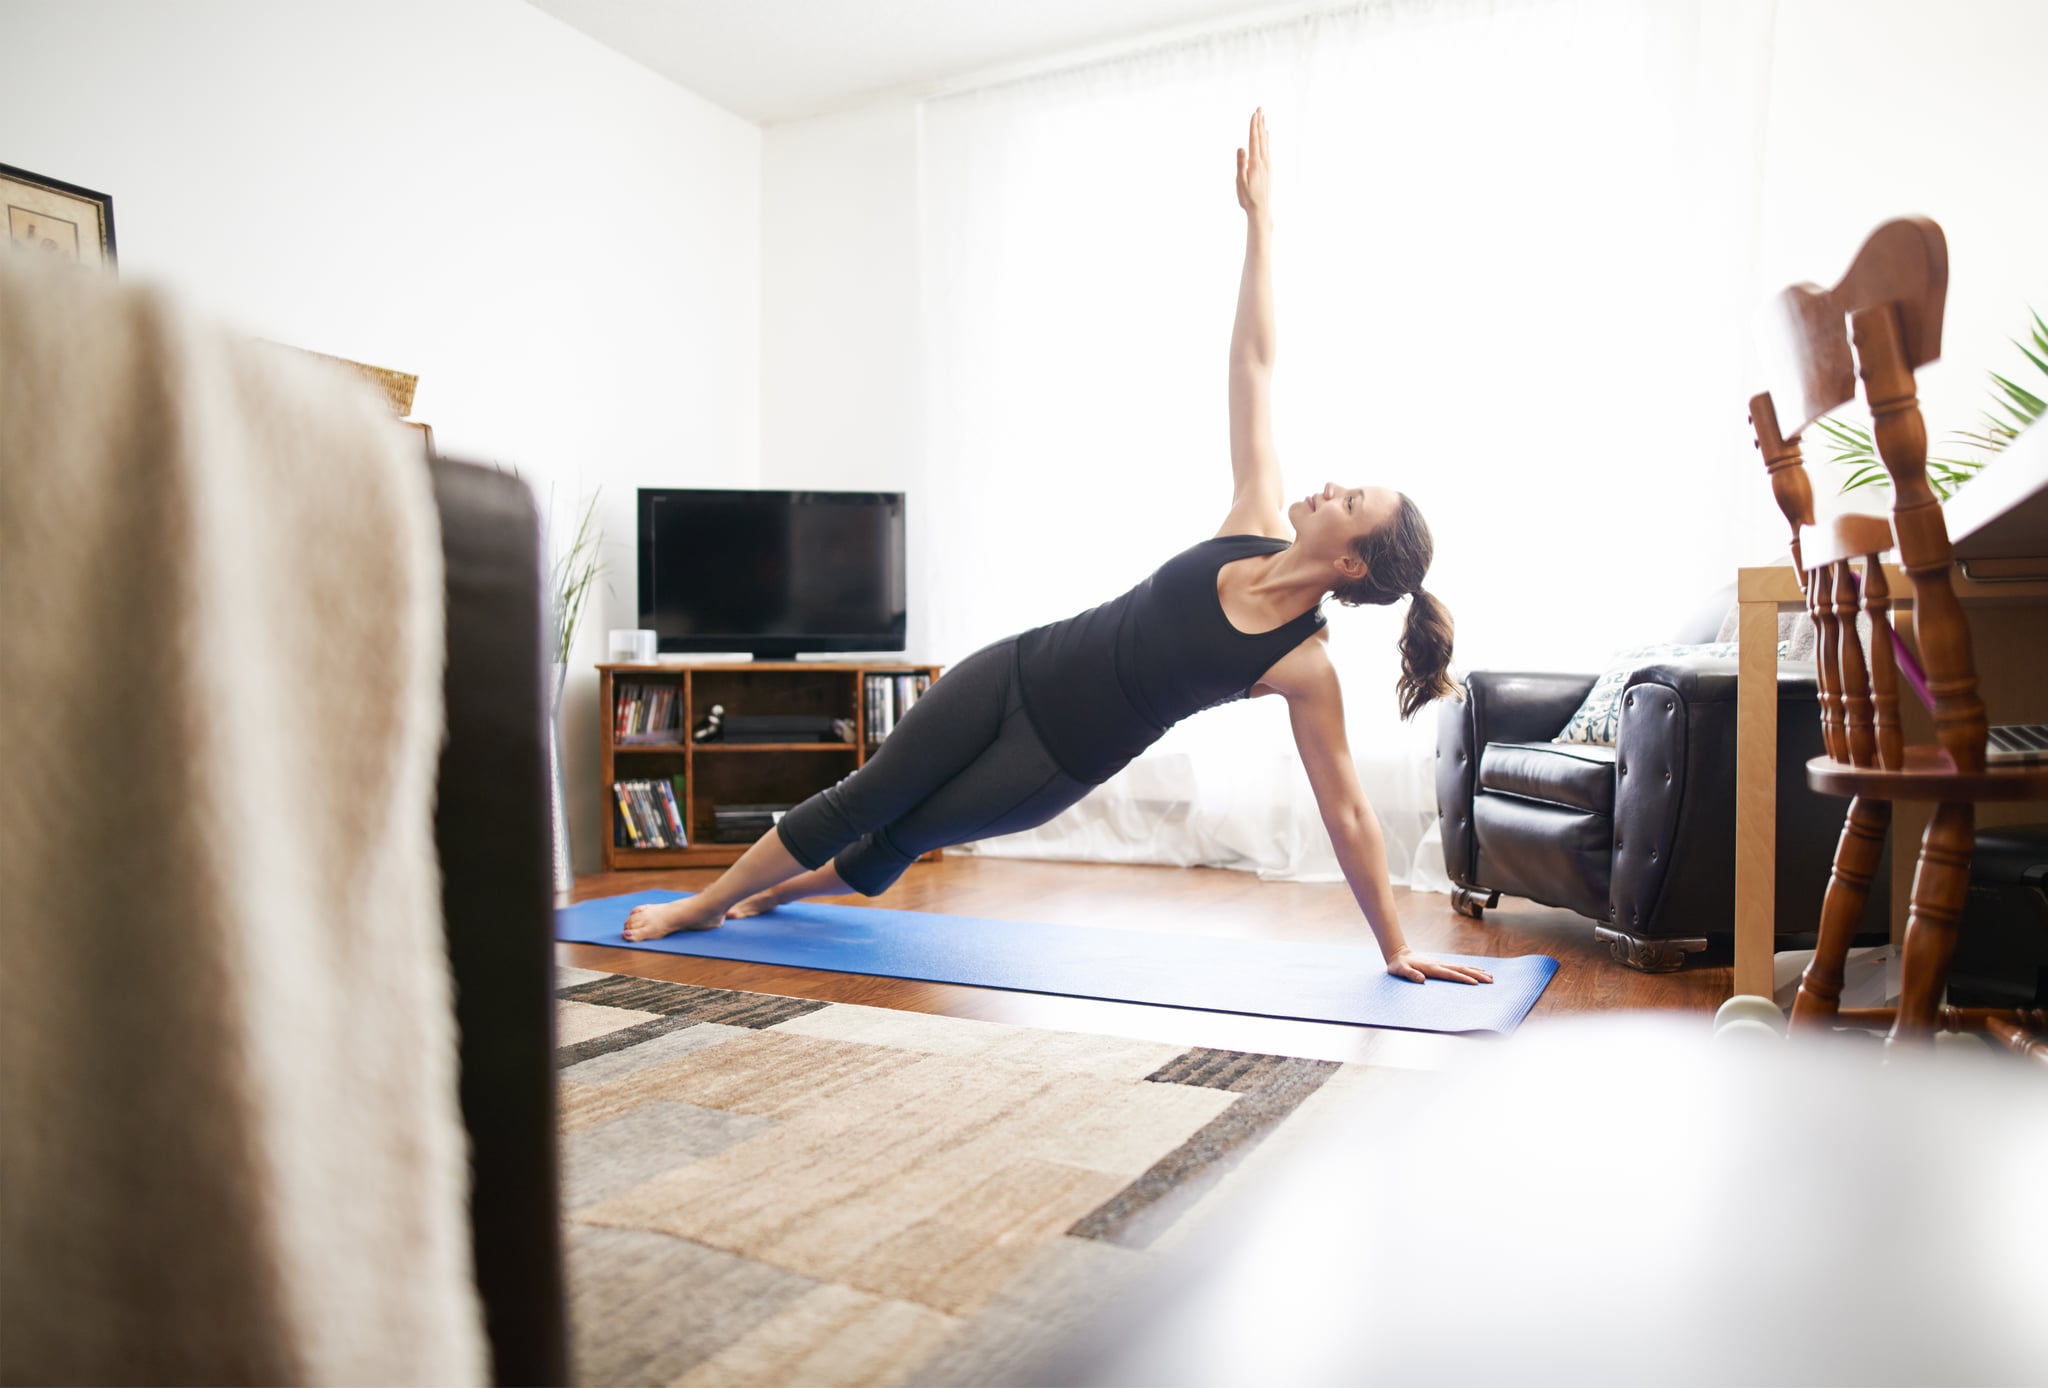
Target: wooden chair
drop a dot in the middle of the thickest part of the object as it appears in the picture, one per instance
(1892, 300)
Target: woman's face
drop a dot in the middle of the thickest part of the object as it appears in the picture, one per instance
(1329, 520)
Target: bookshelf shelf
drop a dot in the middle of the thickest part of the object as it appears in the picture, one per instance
(714, 773)
(726, 749)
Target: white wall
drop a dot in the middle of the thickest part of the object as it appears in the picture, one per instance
(840, 403)
(563, 246)
(839, 225)
(1958, 144)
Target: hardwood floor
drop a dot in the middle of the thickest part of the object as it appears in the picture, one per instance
(1190, 901)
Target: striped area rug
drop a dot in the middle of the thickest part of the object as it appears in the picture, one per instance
(766, 1190)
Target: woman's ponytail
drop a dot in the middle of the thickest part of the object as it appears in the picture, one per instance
(1425, 654)
(1396, 556)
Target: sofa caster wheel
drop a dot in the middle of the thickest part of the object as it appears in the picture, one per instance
(1649, 956)
(1466, 901)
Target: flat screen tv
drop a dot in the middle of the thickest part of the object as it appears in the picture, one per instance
(771, 573)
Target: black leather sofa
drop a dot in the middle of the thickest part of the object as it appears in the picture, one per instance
(491, 827)
(1638, 837)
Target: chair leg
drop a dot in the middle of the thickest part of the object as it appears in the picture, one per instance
(1856, 855)
(1466, 901)
(2024, 1037)
(1940, 885)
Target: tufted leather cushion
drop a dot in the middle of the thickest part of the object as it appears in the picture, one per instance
(1557, 856)
(1579, 776)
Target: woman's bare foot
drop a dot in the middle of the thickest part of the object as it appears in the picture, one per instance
(666, 918)
(755, 905)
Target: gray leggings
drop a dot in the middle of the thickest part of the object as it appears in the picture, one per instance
(963, 764)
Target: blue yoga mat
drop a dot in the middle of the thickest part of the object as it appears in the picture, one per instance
(1265, 978)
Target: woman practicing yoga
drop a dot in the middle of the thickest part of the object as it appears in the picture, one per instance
(1022, 729)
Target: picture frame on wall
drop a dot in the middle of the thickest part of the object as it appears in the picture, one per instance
(47, 217)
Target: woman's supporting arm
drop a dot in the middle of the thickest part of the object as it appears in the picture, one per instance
(1315, 706)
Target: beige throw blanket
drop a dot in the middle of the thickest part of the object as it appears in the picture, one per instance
(230, 1147)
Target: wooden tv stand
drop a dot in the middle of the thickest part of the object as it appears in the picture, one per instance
(735, 774)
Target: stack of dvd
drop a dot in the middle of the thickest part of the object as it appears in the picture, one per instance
(889, 697)
(650, 814)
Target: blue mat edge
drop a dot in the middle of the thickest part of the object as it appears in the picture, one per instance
(677, 944)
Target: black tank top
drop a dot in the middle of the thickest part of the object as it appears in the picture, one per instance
(1103, 686)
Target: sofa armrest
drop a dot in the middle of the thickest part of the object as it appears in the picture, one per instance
(1712, 679)
(1674, 799)
(1498, 707)
(1674, 770)
(1457, 773)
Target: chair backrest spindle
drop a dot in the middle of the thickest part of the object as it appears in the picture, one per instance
(1855, 680)
(1884, 674)
(1794, 493)
(1939, 627)
(1820, 606)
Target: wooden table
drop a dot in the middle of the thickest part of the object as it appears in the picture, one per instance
(1998, 525)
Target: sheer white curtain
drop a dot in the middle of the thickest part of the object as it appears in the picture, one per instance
(1511, 250)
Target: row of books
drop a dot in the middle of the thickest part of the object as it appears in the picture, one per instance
(650, 814)
(889, 697)
(647, 713)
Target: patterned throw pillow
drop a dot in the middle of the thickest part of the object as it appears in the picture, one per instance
(1599, 718)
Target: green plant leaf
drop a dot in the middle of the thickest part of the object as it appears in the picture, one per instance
(2026, 398)
(1993, 442)
(2021, 421)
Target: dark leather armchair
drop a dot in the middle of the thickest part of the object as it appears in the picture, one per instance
(1638, 837)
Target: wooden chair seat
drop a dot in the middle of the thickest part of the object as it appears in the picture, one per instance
(1927, 775)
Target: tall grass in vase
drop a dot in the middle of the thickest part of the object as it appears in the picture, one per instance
(575, 571)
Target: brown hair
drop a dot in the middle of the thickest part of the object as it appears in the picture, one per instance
(1396, 556)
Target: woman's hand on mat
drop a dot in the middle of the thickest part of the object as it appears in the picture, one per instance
(1254, 173)
(1414, 967)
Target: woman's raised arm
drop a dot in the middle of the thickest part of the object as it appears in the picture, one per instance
(1255, 507)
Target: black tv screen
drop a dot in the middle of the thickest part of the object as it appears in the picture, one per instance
(772, 573)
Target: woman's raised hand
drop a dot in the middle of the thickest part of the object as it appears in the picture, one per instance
(1254, 173)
